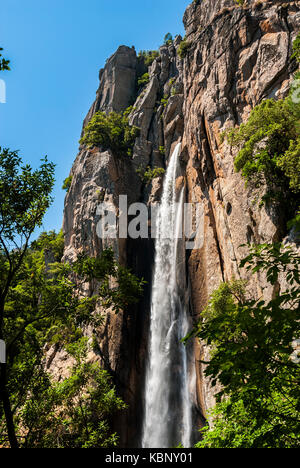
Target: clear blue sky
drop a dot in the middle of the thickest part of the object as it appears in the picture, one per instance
(56, 48)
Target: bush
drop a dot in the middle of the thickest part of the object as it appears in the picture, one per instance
(253, 356)
(269, 150)
(4, 64)
(296, 48)
(111, 131)
(67, 183)
(149, 174)
(144, 80)
(148, 56)
(183, 48)
(168, 39)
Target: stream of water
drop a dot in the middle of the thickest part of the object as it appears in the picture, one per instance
(168, 401)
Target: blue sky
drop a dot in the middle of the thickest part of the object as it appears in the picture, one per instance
(56, 48)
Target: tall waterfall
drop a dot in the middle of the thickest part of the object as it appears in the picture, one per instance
(168, 406)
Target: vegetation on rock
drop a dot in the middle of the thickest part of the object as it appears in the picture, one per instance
(269, 148)
(252, 357)
(4, 64)
(148, 56)
(111, 131)
(67, 183)
(148, 174)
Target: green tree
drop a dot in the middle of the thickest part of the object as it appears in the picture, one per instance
(268, 144)
(4, 64)
(148, 56)
(183, 48)
(143, 80)
(25, 195)
(111, 131)
(45, 308)
(168, 39)
(67, 183)
(251, 356)
(296, 48)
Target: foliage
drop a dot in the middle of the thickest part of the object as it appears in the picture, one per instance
(144, 80)
(289, 163)
(149, 174)
(295, 224)
(25, 196)
(148, 56)
(251, 347)
(110, 131)
(45, 308)
(162, 150)
(272, 124)
(183, 48)
(73, 413)
(4, 64)
(269, 153)
(296, 48)
(168, 39)
(269, 147)
(164, 101)
(128, 287)
(67, 183)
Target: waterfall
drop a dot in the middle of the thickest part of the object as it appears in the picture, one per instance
(168, 405)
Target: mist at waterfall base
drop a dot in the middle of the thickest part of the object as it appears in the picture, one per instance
(170, 373)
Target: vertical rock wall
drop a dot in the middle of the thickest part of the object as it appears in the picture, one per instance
(236, 57)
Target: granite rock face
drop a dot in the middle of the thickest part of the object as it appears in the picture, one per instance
(236, 57)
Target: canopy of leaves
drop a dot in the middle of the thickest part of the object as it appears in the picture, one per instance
(67, 183)
(168, 39)
(251, 347)
(148, 56)
(44, 309)
(25, 195)
(148, 174)
(296, 48)
(4, 64)
(143, 80)
(111, 131)
(269, 147)
(74, 413)
(183, 48)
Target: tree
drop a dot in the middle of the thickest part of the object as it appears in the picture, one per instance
(25, 195)
(44, 308)
(269, 148)
(296, 48)
(168, 39)
(251, 356)
(4, 64)
(111, 131)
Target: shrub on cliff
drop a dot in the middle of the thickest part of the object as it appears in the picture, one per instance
(269, 152)
(268, 140)
(183, 48)
(44, 310)
(4, 64)
(111, 131)
(296, 48)
(67, 183)
(149, 174)
(148, 56)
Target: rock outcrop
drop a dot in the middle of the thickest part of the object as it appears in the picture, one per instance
(236, 56)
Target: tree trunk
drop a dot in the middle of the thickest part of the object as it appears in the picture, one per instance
(7, 409)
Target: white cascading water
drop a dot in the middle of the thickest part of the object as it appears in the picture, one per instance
(168, 403)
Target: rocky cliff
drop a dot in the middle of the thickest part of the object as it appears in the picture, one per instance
(235, 57)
